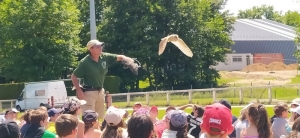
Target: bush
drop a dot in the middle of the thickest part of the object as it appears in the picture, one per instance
(13, 91)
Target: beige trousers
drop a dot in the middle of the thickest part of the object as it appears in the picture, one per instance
(94, 101)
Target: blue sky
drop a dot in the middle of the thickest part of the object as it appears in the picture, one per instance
(279, 5)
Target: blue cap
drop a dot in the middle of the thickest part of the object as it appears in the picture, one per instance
(53, 111)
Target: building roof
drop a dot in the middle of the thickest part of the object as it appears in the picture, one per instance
(287, 48)
(261, 29)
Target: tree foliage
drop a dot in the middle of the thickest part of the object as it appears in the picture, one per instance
(135, 28)
(84, 17)
(260, 12)
(39, 38)
(291, 18)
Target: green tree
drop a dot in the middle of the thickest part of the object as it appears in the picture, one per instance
(135, 28)
(291, 18)
(84, 8)
(258, 12)
(127, 29)
(39, 38)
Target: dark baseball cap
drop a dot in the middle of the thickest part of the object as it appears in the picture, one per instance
(225, 103)
(89, 116)
(53, 111)
(9, 129)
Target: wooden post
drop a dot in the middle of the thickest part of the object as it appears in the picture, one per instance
(52, 101)
(107, 99)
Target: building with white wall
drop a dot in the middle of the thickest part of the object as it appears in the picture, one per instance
(235, 61)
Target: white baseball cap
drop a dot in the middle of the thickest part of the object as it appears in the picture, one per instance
(92, 43)
(296, 110)
(114, 116)
(82, 102)
(11, 110)
(296, 101)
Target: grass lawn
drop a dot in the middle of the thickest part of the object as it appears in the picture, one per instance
(295, 80)
(260, 95)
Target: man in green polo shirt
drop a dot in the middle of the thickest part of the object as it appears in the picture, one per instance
(93, 68)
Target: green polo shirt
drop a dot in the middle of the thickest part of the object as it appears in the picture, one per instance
(92, 72)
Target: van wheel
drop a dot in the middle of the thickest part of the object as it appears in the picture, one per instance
(18, 108)
(42, 104)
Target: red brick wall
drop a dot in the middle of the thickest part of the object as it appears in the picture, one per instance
(267, 58)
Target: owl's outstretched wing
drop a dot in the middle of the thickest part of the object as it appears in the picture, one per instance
(183, 47)
(162, 45)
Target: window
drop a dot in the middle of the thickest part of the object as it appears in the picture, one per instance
(236, 58)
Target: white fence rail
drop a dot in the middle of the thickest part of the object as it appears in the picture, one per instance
(238, 92)
(214, 91)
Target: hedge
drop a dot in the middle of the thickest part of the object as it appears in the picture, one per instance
(13, 91)
(10, 91)
(112, 84)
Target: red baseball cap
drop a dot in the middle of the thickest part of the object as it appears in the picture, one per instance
(219, 117)
(154, 108)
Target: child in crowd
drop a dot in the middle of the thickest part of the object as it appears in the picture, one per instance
(66, 126)
(73, 106)
(91, 124)
(176, 125)
(115, 125)
(280, 125)
(194, 119)
(140, 126)
(9, 129)
(38, 122)
(53, 114)
(259, 123)
(216, 121)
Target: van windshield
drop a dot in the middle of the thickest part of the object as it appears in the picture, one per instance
(21, 96)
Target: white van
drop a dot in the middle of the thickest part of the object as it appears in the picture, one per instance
(37, 94)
